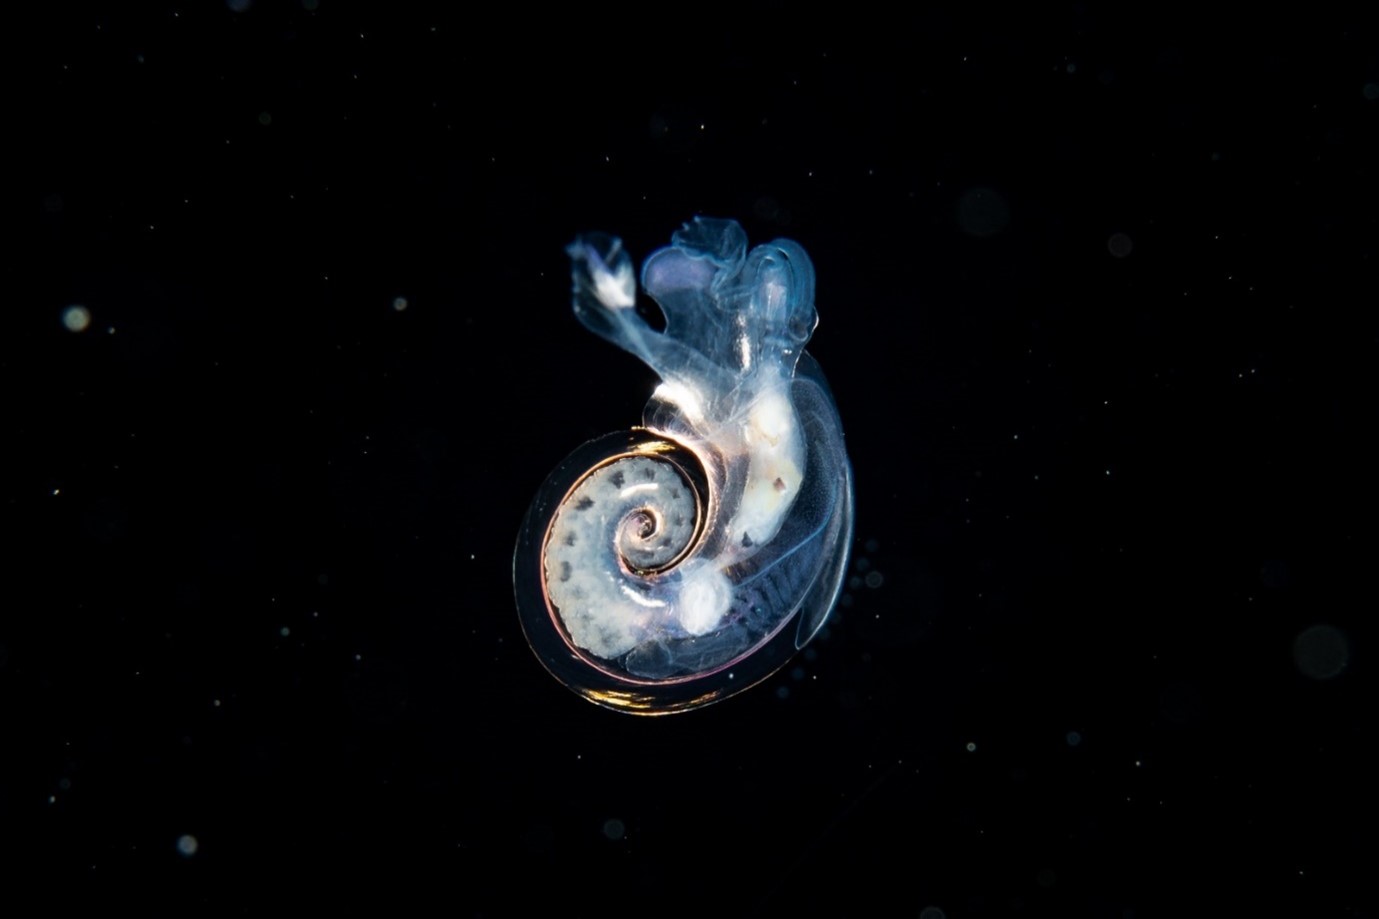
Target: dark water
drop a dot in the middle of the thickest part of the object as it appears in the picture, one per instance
(1096, 293)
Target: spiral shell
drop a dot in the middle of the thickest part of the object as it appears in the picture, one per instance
(676, 564)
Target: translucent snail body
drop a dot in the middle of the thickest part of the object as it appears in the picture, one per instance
(673, 565)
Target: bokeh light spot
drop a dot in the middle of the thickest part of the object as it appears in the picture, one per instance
(983, 213)
(1321, 652)
(76, 318)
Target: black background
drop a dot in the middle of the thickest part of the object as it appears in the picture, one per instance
(1116, 509)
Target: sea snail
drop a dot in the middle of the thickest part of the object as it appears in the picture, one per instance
(676, 564)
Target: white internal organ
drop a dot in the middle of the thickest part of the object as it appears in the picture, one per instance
(771, 440)
(705, 596)
(775, 452)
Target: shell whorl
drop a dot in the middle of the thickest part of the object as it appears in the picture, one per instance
(619, 532)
